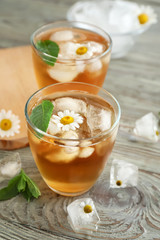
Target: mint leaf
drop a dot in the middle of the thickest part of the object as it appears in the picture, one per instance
(27, 194)
(11, 190)
(32, 187)
(49, 47)
(41, 115)
(20, 184)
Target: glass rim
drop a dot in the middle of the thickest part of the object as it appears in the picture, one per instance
(106, 132)
(40, 29)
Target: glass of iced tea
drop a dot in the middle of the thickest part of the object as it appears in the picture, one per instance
(71, 129)
(70, 51)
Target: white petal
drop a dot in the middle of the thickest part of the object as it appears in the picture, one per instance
(60, 114)
(72, 127)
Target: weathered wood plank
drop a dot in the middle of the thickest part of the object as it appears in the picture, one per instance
(134, 80)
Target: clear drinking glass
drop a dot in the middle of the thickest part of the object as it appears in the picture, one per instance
(84, 53)
(71, 165)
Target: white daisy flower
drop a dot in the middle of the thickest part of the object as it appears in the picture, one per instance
(67, 120)
(9, 123)
(146, 15)
(87, 208)
(84, 50)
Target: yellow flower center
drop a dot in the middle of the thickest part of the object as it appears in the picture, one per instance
(5, 124)
(143, 18)
(67, 120)
(157, 133)
(119, 182)
(87, 209)
(81, 50)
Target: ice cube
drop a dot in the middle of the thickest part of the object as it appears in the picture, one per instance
(10, 166)
(65, 35)
(147, 127)
(95, 47)
(94, 66)
(53, 129)
(70, 135)
(62, 154)
(102, 147)
(106, 59)
(98, 119)
(82, 215)
(80, 66)
(72, 104)
(86, 152)
(85, 143)
(63, 72)
(123, 174)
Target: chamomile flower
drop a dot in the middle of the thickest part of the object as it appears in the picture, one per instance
(86, 50)
(146, 15)
(9, 123)
(87, 208)
(82, 215)
(67, 120)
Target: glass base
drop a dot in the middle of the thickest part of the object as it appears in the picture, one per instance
(68, 194)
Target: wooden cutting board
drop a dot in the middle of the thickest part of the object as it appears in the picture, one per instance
(17, 84)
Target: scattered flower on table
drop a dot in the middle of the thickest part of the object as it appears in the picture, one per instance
(9, 123)
(123, 174)
(147, 128)
(82, 215)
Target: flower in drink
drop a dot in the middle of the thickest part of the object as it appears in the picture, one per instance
(67, 120)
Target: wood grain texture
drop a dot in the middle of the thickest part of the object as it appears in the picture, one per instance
(17, 85)
(135, 81)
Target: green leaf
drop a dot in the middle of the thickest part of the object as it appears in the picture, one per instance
(11, 190)
(27, 194)
(20, 184)
(49, 47)
(41, 115)
(32, 187)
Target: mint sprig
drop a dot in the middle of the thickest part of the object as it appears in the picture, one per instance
(20, 184)
(49, 47)
(41, 115)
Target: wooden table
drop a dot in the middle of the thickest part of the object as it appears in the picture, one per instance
(135, 81)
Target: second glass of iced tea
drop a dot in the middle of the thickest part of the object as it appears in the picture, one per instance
(70, 51)
(73, 151)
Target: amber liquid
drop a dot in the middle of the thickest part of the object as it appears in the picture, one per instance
(96, 76)
(69, 173)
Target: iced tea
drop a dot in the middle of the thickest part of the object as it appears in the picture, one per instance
(80, 136)
(84, 54)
